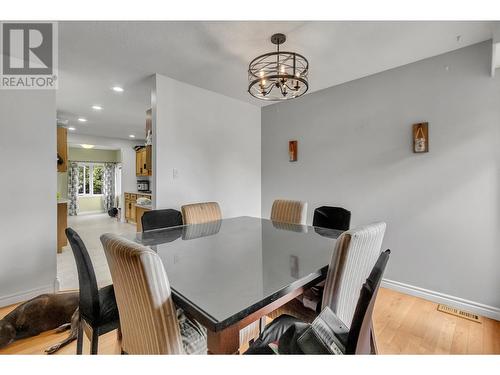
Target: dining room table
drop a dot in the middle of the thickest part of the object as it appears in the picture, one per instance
(230, 273)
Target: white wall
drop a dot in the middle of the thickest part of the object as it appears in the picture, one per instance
(129, 179)
(28, 191)
(213, 141)
(354, 150)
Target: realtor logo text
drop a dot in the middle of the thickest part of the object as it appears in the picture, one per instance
(29, 55)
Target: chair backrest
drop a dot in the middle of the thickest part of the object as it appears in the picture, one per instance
(198, 213)
(89, 292)
(355, 254)
(148, 318)
(157, 219)
(332, 218)
(358, 339)
(299, 228)
(285, 211)
(194, 231)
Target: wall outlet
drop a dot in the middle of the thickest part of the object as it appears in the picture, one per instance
(175, 173)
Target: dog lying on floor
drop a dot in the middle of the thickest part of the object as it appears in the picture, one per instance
(42, 313)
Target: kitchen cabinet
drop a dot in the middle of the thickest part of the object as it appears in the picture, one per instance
(130, 200)
(139, 211)
(62, 224)
(62, 149)
(131, 212)
(143, 164)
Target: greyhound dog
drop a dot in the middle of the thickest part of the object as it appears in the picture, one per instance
(42, 313)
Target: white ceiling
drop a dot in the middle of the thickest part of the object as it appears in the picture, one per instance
(94, 56)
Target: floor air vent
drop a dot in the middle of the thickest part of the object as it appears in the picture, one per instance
(459, 313)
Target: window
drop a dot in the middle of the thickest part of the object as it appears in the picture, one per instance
(90, 179)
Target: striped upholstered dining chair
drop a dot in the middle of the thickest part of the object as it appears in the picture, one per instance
(327, 334)
(285, 211)
(150, 322)
(355, 254)
(199, 213)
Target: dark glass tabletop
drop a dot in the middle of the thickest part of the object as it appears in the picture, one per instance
(222, 271)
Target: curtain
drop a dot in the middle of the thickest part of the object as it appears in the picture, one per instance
(108, 190)
(73, 189)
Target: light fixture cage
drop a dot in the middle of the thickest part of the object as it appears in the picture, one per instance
(277, 76)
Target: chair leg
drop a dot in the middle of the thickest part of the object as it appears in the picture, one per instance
(373, 343)
(94, 342)
(119, 333)
(79, 338)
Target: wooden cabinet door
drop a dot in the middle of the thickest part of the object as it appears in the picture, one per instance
(138, 170)
(127, 209)
(148, 164)
(144, 172)
(143, 162)
(62, 149)
(132, 211)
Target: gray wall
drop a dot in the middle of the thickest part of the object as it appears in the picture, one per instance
(212, 141)
(28, 191)
(355, 150)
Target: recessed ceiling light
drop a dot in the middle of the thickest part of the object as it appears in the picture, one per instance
(132, 136)
(97, 107)
(81, 119)
(71, 128)
(87, 146)
(117, 89)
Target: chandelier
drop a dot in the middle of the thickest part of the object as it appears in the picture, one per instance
(278, 75)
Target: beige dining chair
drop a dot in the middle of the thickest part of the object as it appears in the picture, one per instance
(353, 257)
(357, 251)
(192, 232)
(198, 213)
(286, 211)
(149, 320)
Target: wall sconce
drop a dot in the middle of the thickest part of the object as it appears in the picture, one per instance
(421, 137)
(292, 150)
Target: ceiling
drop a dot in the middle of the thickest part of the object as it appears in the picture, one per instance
(94, 56)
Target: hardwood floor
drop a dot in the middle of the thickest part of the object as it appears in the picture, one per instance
(403, 325)
(411, 325)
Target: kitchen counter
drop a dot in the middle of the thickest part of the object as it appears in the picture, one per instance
(62, 200)
(145, 206)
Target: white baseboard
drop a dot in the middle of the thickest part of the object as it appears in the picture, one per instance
(459, 303)
(26, 295)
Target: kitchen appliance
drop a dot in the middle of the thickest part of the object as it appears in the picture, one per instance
(143, 185)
